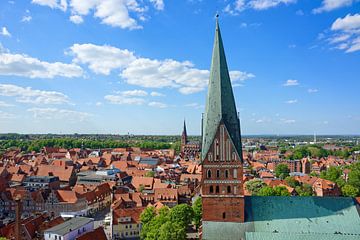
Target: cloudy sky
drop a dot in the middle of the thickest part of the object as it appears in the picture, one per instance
(142, 66)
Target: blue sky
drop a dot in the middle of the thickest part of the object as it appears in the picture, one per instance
(141, 66)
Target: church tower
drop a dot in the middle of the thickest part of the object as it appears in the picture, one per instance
(222, 186)
(184, 139)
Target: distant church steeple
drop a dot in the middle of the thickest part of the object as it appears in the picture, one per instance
(184, 139)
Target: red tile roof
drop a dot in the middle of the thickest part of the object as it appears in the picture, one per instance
(96, 234)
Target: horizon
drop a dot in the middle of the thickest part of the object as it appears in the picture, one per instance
(69, 68)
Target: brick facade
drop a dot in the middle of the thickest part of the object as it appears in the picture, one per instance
(222, 186)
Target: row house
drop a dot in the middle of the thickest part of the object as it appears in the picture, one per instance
(126, 223)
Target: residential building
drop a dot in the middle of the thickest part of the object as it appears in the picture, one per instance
(70, 230)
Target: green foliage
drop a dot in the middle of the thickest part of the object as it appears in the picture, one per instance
(150, 174)
(349, 191)
(332, 173)
(275, 191)
(281, 191)
(292, 182)
(305, 190)
(266, 191)
(168, 224)
(197, 209)
(176, 146)
(172, 231)
(282, 171)
(147, 215)
(182, 214)
(349, 188)
(254, 185)
(38, 144)
(354, 175)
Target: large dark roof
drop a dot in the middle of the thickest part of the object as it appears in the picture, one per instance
(300, 218)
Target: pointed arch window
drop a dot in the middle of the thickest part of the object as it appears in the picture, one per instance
(217, 173)
(228, 150)
(210, 157)
(217, 189)
(211, 190)
(209, 173)
(217, 150)
(228, 189)
(234, 156)
(226, 173)
(235, 173)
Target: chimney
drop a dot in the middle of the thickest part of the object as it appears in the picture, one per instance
(17, 218)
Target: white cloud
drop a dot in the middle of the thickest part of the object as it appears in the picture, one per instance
(26, 66)
(157, 94)
(145, 72)
(4, 104)
(349, 22)
(312, 90)
(55, 4)
(194, 105)
(26, 18)
(345, 33)
(329, 5)
(5, 32)
(98, 104)
(158, 104)
(158, 4)
(5, 115)
(29, 95)
(292, 101)
(119, 99)
(116, 13)
(266, 4)
(235, 7)
(59, 114)
(77, 19)
(134, 93)
(287, 121)
(291, 82)
(101, 59)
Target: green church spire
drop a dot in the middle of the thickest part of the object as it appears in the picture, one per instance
(220, 103)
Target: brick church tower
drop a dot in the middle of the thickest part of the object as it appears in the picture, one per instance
(184, 139)
(222, 186)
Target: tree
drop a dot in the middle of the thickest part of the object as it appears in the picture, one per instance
(332, 173)
(266, 191)
(150, 174)
(305, 190)
(275, 191)
(147, 215)
(254, 185)
(349, 191)
(167, 224)
(281, 191)
(354, 175)
(172, 231)
(197, 209)
(292, 182)
(182, 214)
(282, 171)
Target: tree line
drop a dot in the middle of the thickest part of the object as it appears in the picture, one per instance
(67, 143)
